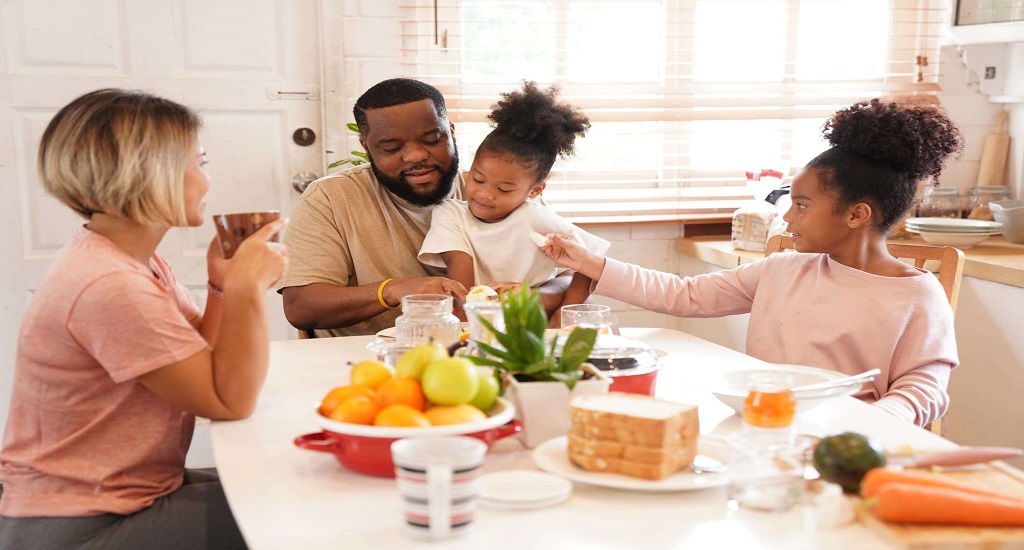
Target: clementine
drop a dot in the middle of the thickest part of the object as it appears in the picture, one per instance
(356, 410)
(400, 415)
(339, 395)
(405, 391)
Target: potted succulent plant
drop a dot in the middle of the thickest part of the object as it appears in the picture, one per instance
(539, 382)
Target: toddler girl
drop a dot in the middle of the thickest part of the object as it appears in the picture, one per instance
(486, 237)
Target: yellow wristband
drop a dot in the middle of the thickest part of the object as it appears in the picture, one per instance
(380, 293)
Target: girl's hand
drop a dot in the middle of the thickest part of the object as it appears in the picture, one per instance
(565, 252)
(568, 253)
(258, 263)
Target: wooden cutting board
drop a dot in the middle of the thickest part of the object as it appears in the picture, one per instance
(992, 169)
(995, 476)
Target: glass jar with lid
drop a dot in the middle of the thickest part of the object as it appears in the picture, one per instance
(940, 202)
(979, 197)
(425, 317)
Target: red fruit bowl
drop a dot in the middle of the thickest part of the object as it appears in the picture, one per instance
(367, 449)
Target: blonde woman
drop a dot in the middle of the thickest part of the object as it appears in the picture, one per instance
(114, 359)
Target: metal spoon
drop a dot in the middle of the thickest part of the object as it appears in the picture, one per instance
(845, 381)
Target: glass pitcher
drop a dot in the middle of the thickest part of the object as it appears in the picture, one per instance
(425, 317)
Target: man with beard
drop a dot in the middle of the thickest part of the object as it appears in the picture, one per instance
(354, 236)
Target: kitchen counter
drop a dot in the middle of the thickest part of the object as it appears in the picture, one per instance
(994, 259)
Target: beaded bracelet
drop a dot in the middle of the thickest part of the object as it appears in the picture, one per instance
(215, 290)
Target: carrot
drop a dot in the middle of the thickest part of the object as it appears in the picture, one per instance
(909, 503)
(877, 478)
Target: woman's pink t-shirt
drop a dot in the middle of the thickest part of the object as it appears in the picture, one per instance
(83, 437)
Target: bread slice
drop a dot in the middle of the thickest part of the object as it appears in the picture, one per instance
(633, 419)
(643, 470)
(679, 456)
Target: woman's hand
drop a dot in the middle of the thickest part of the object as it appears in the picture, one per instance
(258, 263)
(216, 265)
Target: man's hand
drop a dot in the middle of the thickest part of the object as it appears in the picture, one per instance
(399, 288)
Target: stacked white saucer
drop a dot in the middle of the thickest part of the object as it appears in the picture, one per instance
(953, 231)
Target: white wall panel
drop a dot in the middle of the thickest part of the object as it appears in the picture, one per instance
(91, 38)
(222, 36)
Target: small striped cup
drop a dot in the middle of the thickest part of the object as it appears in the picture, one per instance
(437, 478)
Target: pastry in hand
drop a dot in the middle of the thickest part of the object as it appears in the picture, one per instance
(481, 293)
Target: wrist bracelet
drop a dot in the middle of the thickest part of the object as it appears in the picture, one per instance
(380, 293)
(215, 290)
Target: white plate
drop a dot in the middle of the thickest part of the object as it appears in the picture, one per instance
(390, 331)
(522, 489)
(730, 384)
(552, 456)
(953, 224)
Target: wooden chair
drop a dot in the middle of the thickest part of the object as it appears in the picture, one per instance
(950, 262)
(305, 334)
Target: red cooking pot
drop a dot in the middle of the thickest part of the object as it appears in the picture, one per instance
(632, 365)
(367, 449)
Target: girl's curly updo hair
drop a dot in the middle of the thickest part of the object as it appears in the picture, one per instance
(881, 150)
(533, 128)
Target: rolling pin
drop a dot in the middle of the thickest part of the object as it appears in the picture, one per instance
(993, 154)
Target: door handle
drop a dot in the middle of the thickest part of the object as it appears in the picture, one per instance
(302, 180)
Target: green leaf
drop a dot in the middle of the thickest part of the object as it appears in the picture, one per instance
(568, 378)
(485, 361)
(577, 349)
(496, 352)
(352, 127)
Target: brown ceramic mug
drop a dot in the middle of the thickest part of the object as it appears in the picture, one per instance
(232, 229)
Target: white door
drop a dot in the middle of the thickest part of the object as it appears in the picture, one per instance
(252, 69)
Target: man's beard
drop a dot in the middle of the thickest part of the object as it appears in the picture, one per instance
(405, 191)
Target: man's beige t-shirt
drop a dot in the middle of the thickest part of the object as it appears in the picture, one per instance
(348, 230)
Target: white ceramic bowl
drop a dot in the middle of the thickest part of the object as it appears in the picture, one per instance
(959, 240)
(730, 385)
(1011, 215)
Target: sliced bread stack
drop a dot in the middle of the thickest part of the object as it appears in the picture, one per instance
(632, 434)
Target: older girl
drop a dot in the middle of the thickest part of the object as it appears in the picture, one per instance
(114, 359)
(844, 304)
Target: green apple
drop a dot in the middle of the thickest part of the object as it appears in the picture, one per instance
(450, 381)
(412, 363)
(486, 392)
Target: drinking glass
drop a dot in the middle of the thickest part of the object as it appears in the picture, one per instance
(594, 315)
(490, 311)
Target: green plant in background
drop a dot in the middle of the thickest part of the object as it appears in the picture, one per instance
(525, 356)
(357, 158)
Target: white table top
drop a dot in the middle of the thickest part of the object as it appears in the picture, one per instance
(286, 497)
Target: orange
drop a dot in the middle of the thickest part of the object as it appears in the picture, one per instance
(400, 415)
(356, 410)
(339, 395)
(405, 391)
(441, 415)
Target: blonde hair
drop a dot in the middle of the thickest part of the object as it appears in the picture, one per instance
(122, 153)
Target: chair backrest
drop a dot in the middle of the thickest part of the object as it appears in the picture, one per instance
(950, 272)
(950, 261)
(304, 334)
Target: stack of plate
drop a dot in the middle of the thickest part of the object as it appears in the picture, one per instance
(953, 231)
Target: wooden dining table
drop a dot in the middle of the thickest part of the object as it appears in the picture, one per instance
(286, 497)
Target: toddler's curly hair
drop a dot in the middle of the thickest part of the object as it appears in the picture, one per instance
(534, 128)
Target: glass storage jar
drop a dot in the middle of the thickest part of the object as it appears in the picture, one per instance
(940, 202)
(426, 316)
(977, 204)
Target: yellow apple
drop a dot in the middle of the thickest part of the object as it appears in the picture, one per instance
(412, 363)
(486, 392)
(370, 373)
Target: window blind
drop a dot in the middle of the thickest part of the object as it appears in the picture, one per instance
(684, 96)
